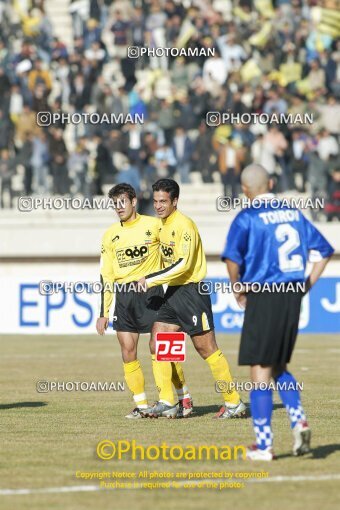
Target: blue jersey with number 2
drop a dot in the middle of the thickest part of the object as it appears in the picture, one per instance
(273, 244)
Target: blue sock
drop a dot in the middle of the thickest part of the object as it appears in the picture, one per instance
(290, 396)
(261, 405)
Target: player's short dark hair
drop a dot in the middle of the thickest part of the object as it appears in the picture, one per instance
(122, 189)
(168, 185)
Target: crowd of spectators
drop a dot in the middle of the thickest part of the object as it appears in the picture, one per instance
(270, 56)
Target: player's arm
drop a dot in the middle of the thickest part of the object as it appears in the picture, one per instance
(320, 252)
(107, 281)
(233, 270)
(185, 261)
(234, 253)
(317, 270)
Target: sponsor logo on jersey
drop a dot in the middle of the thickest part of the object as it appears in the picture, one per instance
(167, 251)
(132, 255)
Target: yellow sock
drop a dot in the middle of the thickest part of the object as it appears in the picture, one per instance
(220, 371)
(178, 380)
(134, 378)
(162, 372)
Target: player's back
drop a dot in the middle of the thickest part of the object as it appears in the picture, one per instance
(273, 242)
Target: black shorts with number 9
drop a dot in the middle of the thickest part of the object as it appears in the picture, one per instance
(185, 306)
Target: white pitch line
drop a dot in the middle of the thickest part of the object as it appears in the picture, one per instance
(297, 478)
(94, 488)
(50, 490)
(61, 356)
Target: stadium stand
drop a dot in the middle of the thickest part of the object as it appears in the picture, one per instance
(275, 57)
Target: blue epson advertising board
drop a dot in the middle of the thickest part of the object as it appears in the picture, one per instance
(76, 313)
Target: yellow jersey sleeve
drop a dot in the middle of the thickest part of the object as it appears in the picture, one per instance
(107, 277)
(189, 264)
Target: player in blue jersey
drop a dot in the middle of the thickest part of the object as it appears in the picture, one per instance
(269, 244)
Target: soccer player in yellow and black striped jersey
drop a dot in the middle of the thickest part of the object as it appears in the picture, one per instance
(130, 248)
(184, 308)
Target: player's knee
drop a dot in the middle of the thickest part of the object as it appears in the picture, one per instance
(204, 350)
(204, 353)
(205, 344)
(211, 344)
(129, 354)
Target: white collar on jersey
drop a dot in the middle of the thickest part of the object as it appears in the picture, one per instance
(264, 196)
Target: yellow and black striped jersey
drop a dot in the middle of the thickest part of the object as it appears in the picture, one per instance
(183, 258)
(130, 250)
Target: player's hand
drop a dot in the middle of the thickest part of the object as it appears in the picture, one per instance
(241, 297)
(308, 285)
(102, 324)
(241, 300)
(142, 286)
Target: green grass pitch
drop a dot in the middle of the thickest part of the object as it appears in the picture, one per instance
(47, 437)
